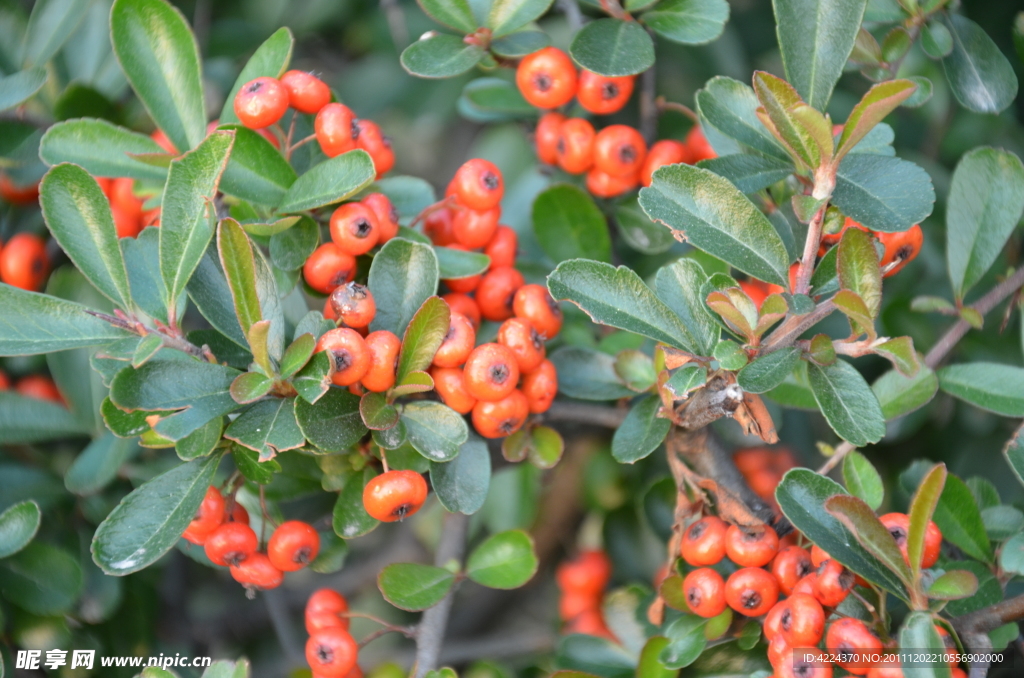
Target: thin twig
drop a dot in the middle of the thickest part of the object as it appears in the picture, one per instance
(841, 451)
(665, 105)
(803, 274)
(174, 341)
(430, 633)
(790, 330)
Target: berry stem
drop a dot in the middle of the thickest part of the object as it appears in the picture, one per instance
(299, 144)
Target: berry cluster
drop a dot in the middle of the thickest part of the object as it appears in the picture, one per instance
(616, 159)
(899, 248)
(763, 468)
(221, 527)
(582, 582)
(331, 651)
(483, 379)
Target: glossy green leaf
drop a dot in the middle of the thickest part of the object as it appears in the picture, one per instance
(503, 561)
(587, 374)
(268, 427)
(18, 526)
(17, 87)
(453, 264)
(34, 323)
(883, 193)
(816, 38)
(862, 480)
(159, 55)
(619, 298)
(985, 203)
(849, 405)
(269, 60)
(41, 579)
(568, 225)
(802, 495)
(297, 354)
(256, 171)
(717, 218)
(101, 148)
(350, 519)
(290, 248)
(980, 76)
(29, 420)
(507, 16)
(990, 386)
(690, 22)
(329, 182)
(423, 336)
(686, 641)
(899, 395)
(612, 47)
(440, 56)
(50, 25)
(98, 464)
(461, 484)
(870, 533)
(402, 277)
(641, 432)
(918, 637)
(858, 269)
(313, 380)
(730, 106)
(436, 431)
(249, 465)
(413, 587)
(148, 522)
(767, 372)
(679, 285)
(201, 442)
(333, 423)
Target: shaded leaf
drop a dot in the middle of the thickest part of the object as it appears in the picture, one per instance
(328, 182)
(333, 423)
(849, 405)
(402, 277)
(979, 74)
(568, 225)
(461, 484)
(612, 47)
(503, 561)
(412, 587)
(440, 56)
(641, 431)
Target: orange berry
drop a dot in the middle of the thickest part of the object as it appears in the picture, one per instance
(851, 636)
(496, 293)
(478, 184)
(394, 495)
(24, 262)
(589, 572)
(818, 555)
(492, 372)
(703, 542)
(524, 341)
(619, 150)
(751, 548)
(535, 304)
(575, 146)
(790, 565)
(603, 95)
(347, 349)
(386, 213)
(325, 604)
(39, 387)
(328, 267)
(661, 153)
(354, 228)
(208, 517)
(834, 582)
(332, 653)
(5, 381)
(261, 102)
(900, 248)
(18, 194)
(464, 304)
(475, 228)
(574, 603)
(293, 546)
(898, 525)
(547, 78)
(438, 226)
(500, 418)
(751, 591)
(306, 92)
(450, 384)
(808, 585)
(502, 247)
(801, 621)
(704, 590)
(605, 185)
(372, 140)
(230, 544)
(258, 572)
(546, 137)
(458, 342)
(590, 623)
(384, 348)
(353, 303)
(698, 146)
(336, 129)
(540, 387)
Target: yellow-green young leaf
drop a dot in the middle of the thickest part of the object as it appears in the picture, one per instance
(879, 101)
(239, 267)
(159, 55)
(297, 354)
(509, 15)
(503, 561)
(773, 309)
(849, 405)
(856, 311)
(423, 336)
(858, 268)
(821, 350)
(978, 72)
(866, 49)
(900, 352)
(918, 636)
(440, 56)
(736, 309)
(613, 48)
(269, 60)
(899, 395)
(860, 519)
(413, 587)
(985, 203)
(954, 585)
(862, 480)
(649, 665)
(258, 334)
(922, 508)
(957, 514)
(778, 99)
(715, 217)
(816, 38)
(990, 386)
(818, 127)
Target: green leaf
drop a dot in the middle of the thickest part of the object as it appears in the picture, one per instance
(686, 642)
(50, 25)
(715, 217)
(402, 277)
(148, 522)
(1011, 555)
(990, 386)
(767, 372)
(957, 513)
(503, 561)
(507, 16)
(239, 266)
(495, 97)
(414, 382)
(883, 193)
(414, 587)
(749, 173)
(900, 352)
(954, 585)
(879, 101)
(918, 636)
(29, 420)
(159, 55)
(936, 40)
(639, 232)
(34, 323)
(453, 264)
(313, 380)
(18, 87)
(1002, 522)
(1014, 453)
(78, 215)
(685, 379)
(858, 269)
(98, 464)
(256, 171)
(350, 519)
(980, 76)
(440, 56)
(730, 107)
(779, 101)
(269, 60)
(333, 423)
(41, 579)
(568, 225)
(636, 369)
(650, 665)
(730, 355)
(436, 431)
(329, 182)
(201, 442)
(816, 38)
(457, 14)
(297, 355)
(188, 213)
(101, 148)
(290, 248)
(209, 290)
(202, 389)
(18, 526)
(846, 400)
(899, 395)
(587, 374)
(690, 22)
(619, 298)
(862, 480)
(985, 203)
(461, 484)
(520, 43)
(249, 465)
(861, 521)
(268, 427)
(377, 413)
(123, 424)
(641, 431)
(612, 47)
(679, 285)
(423, 336)
(802, 495)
